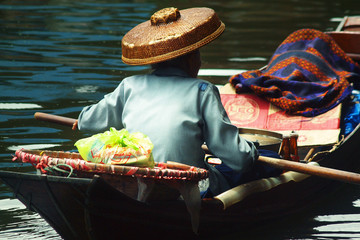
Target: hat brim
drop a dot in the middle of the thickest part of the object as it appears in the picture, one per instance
(146, 44)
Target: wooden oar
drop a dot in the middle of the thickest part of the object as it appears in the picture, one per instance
(54, 119)
(330, 173)
(324, 172)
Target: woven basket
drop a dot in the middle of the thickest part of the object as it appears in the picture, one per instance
(164, 177)
(170, 33)
(162, 171)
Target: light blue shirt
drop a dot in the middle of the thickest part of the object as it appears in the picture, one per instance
(179, 114)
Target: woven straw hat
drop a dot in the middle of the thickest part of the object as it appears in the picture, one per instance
(170, 33)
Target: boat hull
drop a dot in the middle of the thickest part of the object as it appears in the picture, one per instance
(90, 208)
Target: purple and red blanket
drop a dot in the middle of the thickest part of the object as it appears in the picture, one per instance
(308, 75)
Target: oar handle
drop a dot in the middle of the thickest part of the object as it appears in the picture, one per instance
(54, 119)
(177, 165)
(330, 173)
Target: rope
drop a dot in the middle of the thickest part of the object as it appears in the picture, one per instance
(327, 152)
(57, 168)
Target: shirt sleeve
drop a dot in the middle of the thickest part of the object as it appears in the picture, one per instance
(105, 114)
(222, 137)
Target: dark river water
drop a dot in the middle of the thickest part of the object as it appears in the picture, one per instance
(58, 56)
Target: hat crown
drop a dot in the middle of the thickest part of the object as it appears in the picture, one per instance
(170, 33)
(165, 16)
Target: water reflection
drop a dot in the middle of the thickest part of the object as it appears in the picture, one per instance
(338, 226)
(16, 222)
(341, 225)
(19, 106)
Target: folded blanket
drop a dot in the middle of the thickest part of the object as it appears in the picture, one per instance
(308, 75)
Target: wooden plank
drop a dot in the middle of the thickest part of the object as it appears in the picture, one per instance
(341, 24)
(348, 41)
(352, 24)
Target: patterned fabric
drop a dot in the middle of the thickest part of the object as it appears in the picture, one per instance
(307, 75)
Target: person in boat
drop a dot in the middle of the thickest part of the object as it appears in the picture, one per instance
(175, 109)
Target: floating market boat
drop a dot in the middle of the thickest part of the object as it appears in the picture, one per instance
(83, 200)
(347, 36)
(98, 204)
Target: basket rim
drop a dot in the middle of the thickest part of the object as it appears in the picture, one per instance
(42, 158)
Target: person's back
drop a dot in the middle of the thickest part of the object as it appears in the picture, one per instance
(176, 110)
(164, 105)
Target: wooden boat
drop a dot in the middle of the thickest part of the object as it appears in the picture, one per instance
(92, 206)
(347, 36)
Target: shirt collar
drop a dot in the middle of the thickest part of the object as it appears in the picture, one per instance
(170, 71)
